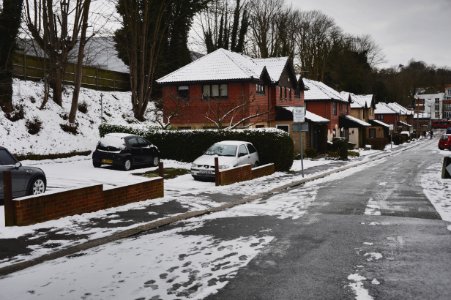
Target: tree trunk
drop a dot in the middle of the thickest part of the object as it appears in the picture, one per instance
(79, 66)
(56, 75)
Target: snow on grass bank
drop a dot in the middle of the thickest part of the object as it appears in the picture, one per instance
(51, 139)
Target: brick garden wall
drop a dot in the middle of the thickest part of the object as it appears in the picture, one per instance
(243, 173)
(35, 209)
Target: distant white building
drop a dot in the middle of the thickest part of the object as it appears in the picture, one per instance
(432, 104)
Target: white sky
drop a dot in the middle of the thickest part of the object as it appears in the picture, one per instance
(404, 29)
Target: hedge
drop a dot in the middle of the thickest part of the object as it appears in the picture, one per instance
(273, 145)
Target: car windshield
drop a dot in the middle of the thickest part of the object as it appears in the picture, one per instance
(221, 150)
(112, 143)
(6, 158)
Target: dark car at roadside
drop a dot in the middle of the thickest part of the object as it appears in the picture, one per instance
(24, 180)
(445, 142)
(125, 151)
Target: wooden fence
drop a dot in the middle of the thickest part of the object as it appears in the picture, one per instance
(34, 68)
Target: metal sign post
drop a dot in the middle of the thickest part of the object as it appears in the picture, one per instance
(298, 122)
(391, 136)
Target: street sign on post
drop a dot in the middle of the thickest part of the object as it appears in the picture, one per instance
(299, 125)
(299, 114)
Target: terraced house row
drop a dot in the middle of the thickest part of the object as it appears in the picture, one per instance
(225, 89)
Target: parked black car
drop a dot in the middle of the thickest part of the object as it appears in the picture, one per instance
(25, 180)
(125, 151)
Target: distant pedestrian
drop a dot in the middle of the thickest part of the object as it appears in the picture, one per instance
(431, 134)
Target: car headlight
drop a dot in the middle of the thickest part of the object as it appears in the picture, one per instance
(224, 166)
(193, 166)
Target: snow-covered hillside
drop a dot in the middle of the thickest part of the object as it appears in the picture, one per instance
(52, 139)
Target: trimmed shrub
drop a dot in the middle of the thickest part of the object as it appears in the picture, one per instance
(33, 126)
(17, 113)
(70, 128)
(273, 145)
(311, 153)
(339, 146)
(378, 144)
(83, 107)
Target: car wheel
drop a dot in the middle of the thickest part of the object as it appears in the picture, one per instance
(37, 186)
(96, 164)
(256, 164)
(127, 165)
(155, 161)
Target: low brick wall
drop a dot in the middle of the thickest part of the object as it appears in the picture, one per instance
(243, 173)
(264, 170)
(35, 209)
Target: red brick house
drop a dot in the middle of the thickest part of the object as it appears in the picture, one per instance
(387, 115)
(228, 89)
(326, 102)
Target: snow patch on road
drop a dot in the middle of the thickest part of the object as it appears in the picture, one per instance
(372, 208)
(372, 256)
(438, 191)
(357, 287)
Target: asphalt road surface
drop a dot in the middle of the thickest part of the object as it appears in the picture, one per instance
(375, 225)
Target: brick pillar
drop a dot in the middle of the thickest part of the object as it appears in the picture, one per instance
(10, 213)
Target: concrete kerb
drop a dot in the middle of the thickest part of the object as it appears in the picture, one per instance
(181, 217)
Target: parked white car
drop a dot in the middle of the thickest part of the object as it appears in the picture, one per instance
(230, 154)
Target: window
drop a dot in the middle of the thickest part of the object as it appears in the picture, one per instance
(142, 142)
(260, 89)
(183, 92)
(133, 142)
(242, 151)
(372, 133)
(283, 127)
(214, 91)
(380, 117)
(251, 148)
(6, 158)
(334, 108)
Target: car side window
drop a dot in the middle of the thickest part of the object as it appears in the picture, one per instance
(242, 151)
(133, 142)
(251, 148)
(6, 158)
(143, 142)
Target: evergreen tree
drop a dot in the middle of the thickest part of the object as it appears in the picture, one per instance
(10, 15)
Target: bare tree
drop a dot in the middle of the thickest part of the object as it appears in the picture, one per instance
(315, 38)
(224, 25)
(144, 25)
(174, 108)
(55, 26)
(79, 66)
(264, 20)
(232, 114)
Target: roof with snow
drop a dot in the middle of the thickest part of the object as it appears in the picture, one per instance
(383, 109)
(399, 108)
(223, 65)
(100, 52)
(357, 121)
(308, 115)
(359, 101)
(320, 91)
(315, 118)
(378, 122)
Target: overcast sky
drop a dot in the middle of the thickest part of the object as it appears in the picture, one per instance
(404, 29)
